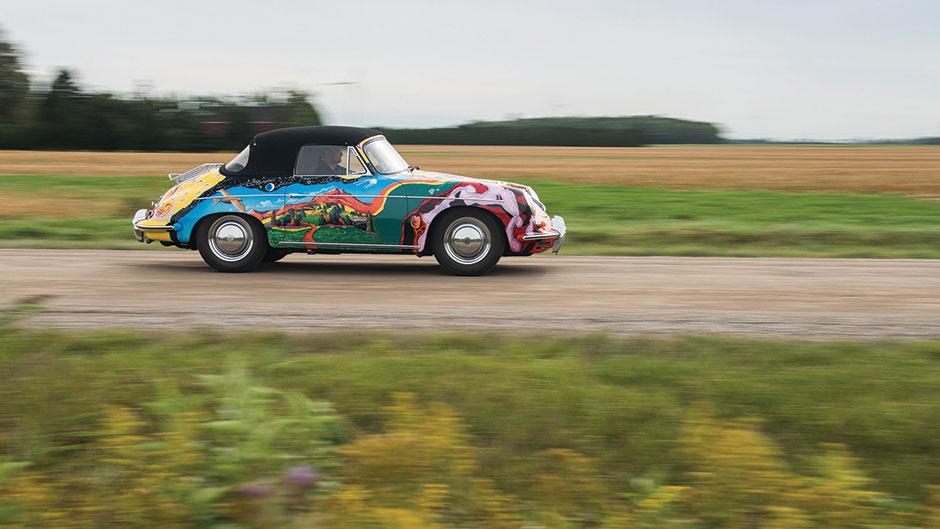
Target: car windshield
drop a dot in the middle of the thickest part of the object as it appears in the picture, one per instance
(239, 162)
(384, 157)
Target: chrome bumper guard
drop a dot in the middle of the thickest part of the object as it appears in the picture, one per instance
(558, 224)
(139, 216)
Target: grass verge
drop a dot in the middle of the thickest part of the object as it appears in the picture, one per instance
(94, 212)
(621, 401)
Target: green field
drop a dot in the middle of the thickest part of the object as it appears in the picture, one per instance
(618, 421)
(94, 212)
(612, 220)
(347, 430)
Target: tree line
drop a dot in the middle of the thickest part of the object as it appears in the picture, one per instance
(627, 131)
(64, 116)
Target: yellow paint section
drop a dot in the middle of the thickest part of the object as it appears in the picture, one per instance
(362, 151)
(352, 176)
(180, 196)
(158, 236)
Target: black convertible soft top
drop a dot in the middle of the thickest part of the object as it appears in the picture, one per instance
(273, 153)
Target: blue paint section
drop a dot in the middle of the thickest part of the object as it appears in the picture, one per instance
(249, 200)
(367, 190)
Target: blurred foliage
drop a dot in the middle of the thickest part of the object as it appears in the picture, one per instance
(63, 116)
(628, 131)
(233, 452)
(119, 429)
(14, 84)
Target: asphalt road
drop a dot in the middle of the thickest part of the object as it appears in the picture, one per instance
(798, 298)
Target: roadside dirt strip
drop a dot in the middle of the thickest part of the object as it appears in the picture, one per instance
(170, 290)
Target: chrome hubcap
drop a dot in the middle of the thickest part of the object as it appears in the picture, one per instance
(230, 239)
(467, 241)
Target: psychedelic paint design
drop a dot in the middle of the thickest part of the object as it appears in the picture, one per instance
(382, 206)
(383, 210)
(506, 202)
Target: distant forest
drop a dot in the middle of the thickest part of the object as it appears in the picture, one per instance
(630, 131)
(64, 116)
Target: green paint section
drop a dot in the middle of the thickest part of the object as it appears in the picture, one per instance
(325, 234)
(338, 234)
(276, 235)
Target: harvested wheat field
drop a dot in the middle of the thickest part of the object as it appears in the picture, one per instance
(103, 163)
(910, 170)
(853, 169)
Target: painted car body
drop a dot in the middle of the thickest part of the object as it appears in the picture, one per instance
(370, 211)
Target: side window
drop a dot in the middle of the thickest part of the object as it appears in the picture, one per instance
(355, 164)
(310, 159)
(328, 160)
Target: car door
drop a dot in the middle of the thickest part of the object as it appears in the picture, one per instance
(335, 202)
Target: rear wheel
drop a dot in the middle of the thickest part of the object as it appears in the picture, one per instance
(467, 242)
(231, 243)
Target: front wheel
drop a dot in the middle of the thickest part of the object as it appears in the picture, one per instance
(468, 242)
(231, 243)
(274, 255)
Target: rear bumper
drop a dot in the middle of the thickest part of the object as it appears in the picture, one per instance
(140, 230)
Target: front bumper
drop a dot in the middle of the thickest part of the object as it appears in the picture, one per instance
(559, 230)
(558, 224)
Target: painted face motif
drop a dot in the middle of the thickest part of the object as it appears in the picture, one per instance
(164, 209)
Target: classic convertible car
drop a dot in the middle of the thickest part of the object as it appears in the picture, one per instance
(339, 190)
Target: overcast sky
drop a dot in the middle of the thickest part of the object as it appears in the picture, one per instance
(759, 69)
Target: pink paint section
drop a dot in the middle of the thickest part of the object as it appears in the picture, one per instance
(482, 195)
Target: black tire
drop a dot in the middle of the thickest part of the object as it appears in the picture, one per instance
(467, 242)
(274, 255)
(231, 243)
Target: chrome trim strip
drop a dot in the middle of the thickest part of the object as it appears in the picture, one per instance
(154, 228)
(274, 195)
(349, 245)
(413, 197)
(469, 201)
(537, 236)
(370, 138)
(312, 196)
(218, 197)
